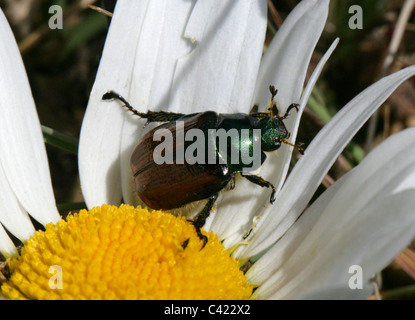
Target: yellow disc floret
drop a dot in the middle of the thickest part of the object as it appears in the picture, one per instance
(124, 253)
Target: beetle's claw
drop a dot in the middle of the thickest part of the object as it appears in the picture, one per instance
(296, 106)
(205, 240)
(185, 243)
(272, 198)
(200, 235)
(300, 147)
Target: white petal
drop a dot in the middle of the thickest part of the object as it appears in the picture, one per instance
(22, 150)
(276, 256)
(287, 58)
(371, 245)
(12, 215)
(320, 155)
(363, 219)
(303, 102)
(220, 73)
(284, 65)
(354, 189)
(100, 139)
(7, 248)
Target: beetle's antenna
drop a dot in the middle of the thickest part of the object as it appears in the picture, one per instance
(273, 109)
(299, 146)
(111, 95)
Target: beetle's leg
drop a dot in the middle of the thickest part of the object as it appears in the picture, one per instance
(185, 243)
(292, 106)
(5, 272)
(151, 116)
(260, 115)
(299, 145)
(202, 216)
(273, 109)
(263, 183)
(161, 116)
(111, 95)
(231, 184)
(248, 233)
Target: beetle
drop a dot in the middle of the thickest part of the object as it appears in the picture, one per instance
(169, 186)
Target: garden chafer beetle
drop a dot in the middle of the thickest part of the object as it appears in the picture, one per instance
(193, 162)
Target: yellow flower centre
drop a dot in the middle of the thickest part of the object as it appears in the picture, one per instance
(124, 253)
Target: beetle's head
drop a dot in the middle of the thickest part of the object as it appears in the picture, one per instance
(274, 133)
(273, 130)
